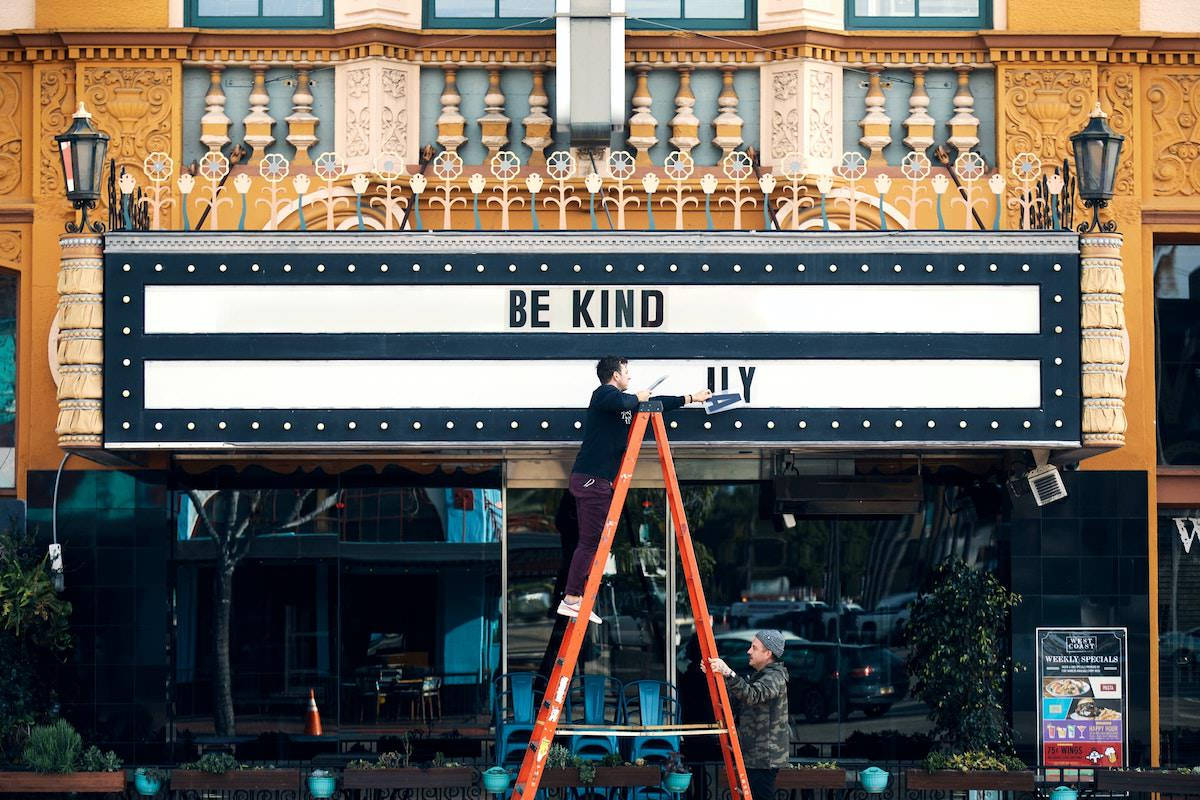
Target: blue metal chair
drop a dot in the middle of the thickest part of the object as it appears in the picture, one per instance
(594, 700)
(514, 712)
(651, 703)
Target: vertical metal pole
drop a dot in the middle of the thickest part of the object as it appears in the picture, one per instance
(671, 611)
(504, 566)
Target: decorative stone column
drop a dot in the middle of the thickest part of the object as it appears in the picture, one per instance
(918, 123)
(538, 124)
(728, 124)
(80, 345)
(376, 112)
(1105, 346)
(642, 124)
(493, 125)
(876, 125)
(214, 125)
(685, 125)
(259, 122)
(800, 113)
(302, 124)
(964, 125)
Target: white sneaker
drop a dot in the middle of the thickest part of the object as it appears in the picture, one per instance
(572, 610)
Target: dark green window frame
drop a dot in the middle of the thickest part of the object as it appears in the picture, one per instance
(747, 22)
(192, 19)
(982, 21)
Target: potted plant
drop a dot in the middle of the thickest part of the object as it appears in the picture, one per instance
(960, 667)
(676, 777)
(221, 771)
(148, 781)
(53, 753)
(394, 770)
(974, 769)
(812, 775)
(321, 784)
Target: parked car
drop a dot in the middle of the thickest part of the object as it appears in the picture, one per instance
(870, 678)
(886, 622)
(1180, 647)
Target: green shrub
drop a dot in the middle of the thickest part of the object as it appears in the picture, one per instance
(972, 760)
(213, 762)
(817, 765)
(96, 760)
(53, 748)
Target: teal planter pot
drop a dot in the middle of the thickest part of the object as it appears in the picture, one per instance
(1064, 793)
(874, 780)
(496, 780)
(321, 787)
(146, 785)
(677, 782)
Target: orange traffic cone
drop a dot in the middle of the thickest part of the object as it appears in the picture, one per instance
(312, 719)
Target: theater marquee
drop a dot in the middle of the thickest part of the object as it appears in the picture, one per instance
(362, 339)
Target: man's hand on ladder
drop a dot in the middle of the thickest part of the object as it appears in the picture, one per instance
(719, 667)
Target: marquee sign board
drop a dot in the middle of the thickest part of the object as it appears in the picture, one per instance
(888, 339)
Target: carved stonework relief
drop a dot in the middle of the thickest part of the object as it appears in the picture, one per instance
(820, 126)
(1116, 98)
(393, 115)
(134, 106)
(1043, 107)
(1175, 109)
(10, 131)
(10, 248)
(376, 106)
(56, 101)
(785, 116)
(358, 116)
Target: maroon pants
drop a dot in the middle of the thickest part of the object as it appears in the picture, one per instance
(592, 498)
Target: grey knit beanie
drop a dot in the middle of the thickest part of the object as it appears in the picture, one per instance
(772, 640)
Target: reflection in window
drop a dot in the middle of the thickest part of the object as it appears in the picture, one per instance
(385, 600)
(703, 13)
(258, 13)
(8, 379)
(630, 645)
(918, 13)
(1179, 635)
(841, 590)
(1177, 319)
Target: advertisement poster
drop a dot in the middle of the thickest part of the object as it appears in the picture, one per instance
(1081, 691)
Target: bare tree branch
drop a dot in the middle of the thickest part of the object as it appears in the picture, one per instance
(328, 502)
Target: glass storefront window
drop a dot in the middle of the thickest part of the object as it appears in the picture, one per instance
(375, 597)
(1179, 636)
(841, 589)
(630, 643)
(1177, 356)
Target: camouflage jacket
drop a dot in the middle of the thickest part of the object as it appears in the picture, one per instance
(762, 720)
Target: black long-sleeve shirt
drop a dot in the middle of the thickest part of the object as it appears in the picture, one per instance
(606, 429)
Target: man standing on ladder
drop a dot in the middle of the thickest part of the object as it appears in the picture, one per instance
(605, 434)
(762, 724)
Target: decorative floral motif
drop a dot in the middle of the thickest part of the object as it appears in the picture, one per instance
(679, 165)
(329, 166)
(1175, 109)
(389, 166)
(970, 166)
(1057, 100)
(447, 165)
(134, 106)
(560, 165)
(505, 165)
(820, 111)
(158, 166)
(358, 112)
(621, 165)
(915, 166)
(57, 103)
(1116, 94)
(274, 168)
(213, 166)
(1026, 167)
(10, 247)
(785, 113)
(737, 166)
(10, 132)
(393, 115)
(852, 167)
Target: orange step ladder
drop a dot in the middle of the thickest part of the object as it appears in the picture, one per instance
(530, 776)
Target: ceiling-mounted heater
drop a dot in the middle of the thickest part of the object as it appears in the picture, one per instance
(590, 70)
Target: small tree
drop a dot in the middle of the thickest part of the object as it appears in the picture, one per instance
(959, 661)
